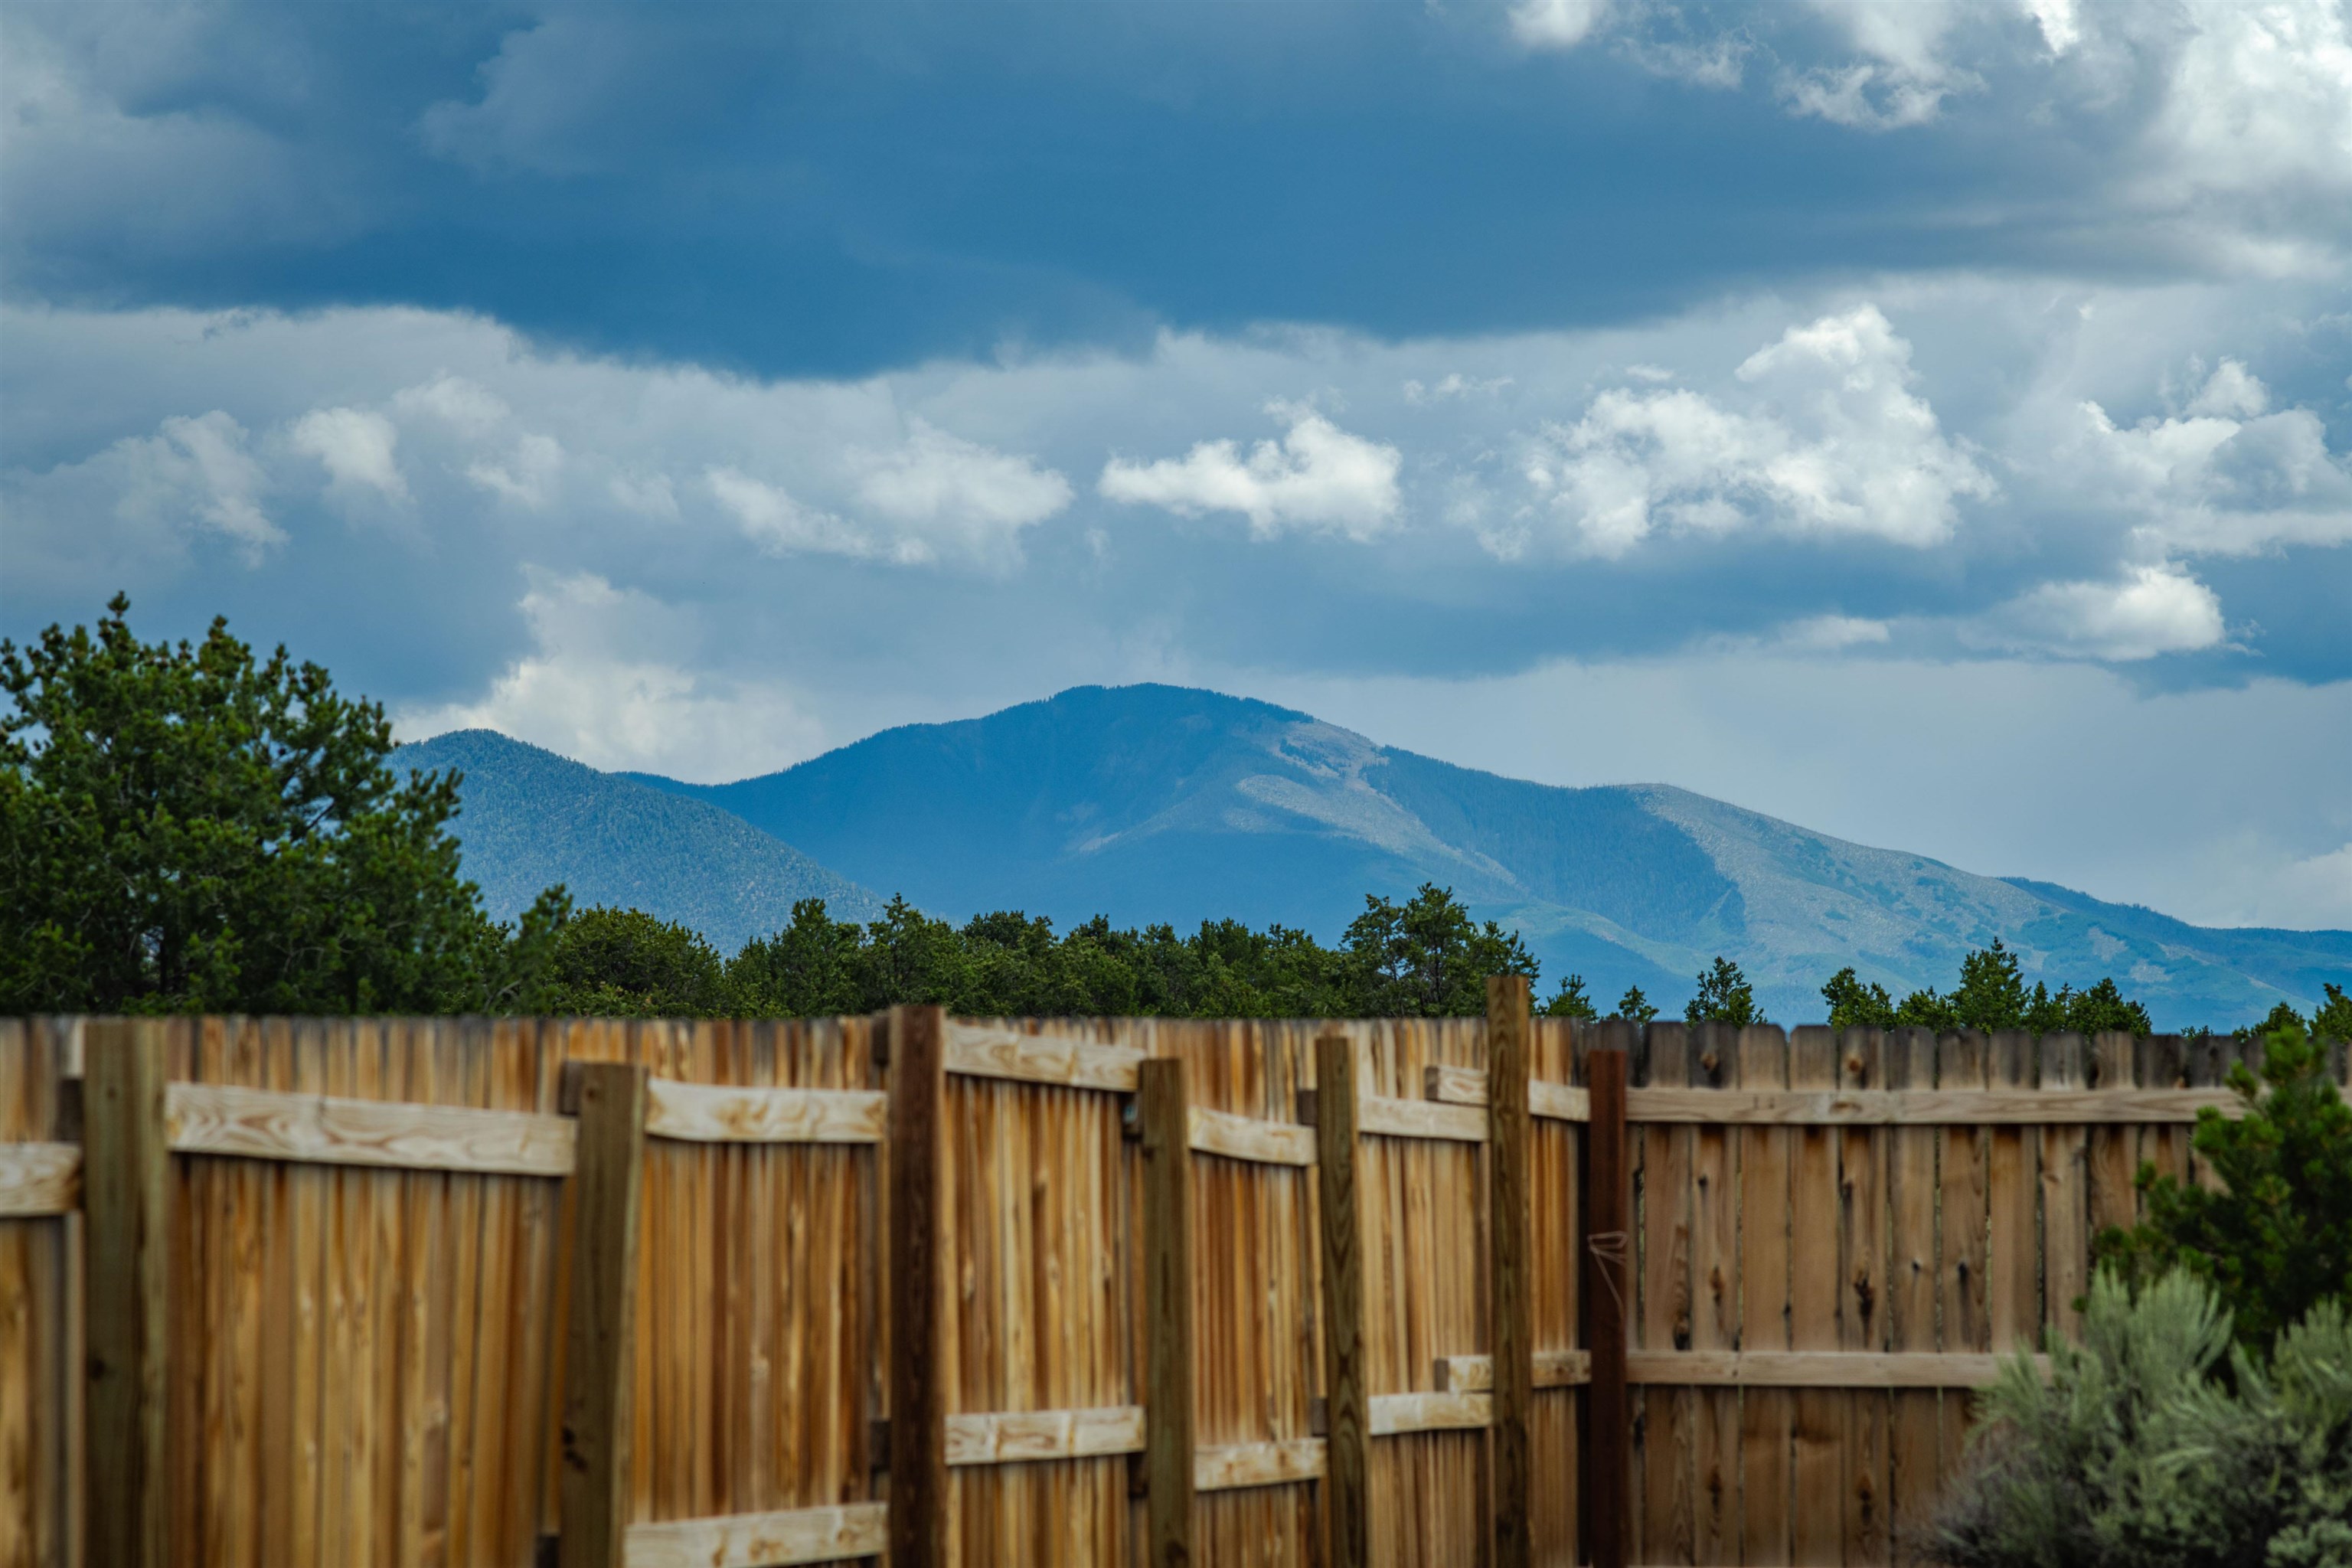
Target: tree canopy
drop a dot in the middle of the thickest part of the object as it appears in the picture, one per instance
(186, 828)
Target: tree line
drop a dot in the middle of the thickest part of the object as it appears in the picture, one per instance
(187, 828)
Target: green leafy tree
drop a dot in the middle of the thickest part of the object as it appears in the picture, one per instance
(2333, 1021)
(184, 828)
(1426, 958)
(1854, 1005)
(2276, 1237)
(814, 967)
(1724, 996)
(1572, 1002)
(625, 964)
(1634, 1007)
(1992, 995)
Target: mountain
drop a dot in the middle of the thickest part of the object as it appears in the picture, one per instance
(1154, 802)
(532, 818)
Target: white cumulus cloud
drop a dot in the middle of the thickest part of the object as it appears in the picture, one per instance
(2148, 610)
(1830, 439)
(1317, 477)
(780, 524)
(948, 490)
(608, 684)
(2225, 476)
(527, 475)
(356, 447)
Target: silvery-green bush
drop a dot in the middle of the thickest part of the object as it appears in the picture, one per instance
(2155, 1444)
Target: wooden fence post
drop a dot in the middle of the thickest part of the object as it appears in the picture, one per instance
(608, 1177)
(127, 1208)
(1607, 1278)
(1510, 1280)
(1347, 1369)
(1167, 1308)
(918, 1271)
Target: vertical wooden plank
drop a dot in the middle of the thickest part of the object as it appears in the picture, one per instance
(1818, 1477)
(1960, 1235)
(1346, 1361)
(1862, 1300)
(2014, 1283)
(1608, 1277)
(1662, 1470)
(608, 1182)
(1715, 1308)
(2111, 1161)
(126, 1202)
(2208, 1058)
(2065, 1192)
(920, 1367)
(1909, 1063)
(2163, 1064)
(1167, 1306)
(1767, 1416)
(1510, 1283)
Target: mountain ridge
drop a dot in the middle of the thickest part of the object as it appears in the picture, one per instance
(530, 818)
(1155, 803)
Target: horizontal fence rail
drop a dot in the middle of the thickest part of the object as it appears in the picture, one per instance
(1509, 1290)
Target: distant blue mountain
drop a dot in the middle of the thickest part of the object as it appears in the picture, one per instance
(531, 818)
(1155, 803)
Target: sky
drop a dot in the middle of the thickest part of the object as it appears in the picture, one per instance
(1930, 421)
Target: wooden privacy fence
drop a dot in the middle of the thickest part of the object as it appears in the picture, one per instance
(1408, 1292)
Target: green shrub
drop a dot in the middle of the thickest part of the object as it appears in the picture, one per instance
(2133, 1455)
(2277, 1239)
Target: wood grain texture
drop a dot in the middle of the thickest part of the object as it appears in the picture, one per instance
(1235, 1467)
(1346, 1371)
(1908, 1060)
(1390, 1116)
(598, 1418)
(2065, 1191)
(1169, 1130)
(1548, 1101)
(1817, 1516)
(1962, 1266)
(1608, 1284)
(919, 1343)
(762, 1539)
(1027, 1437)
(126, 1203)
(1222, 1133)
(2013, 1285)
(1714, 1306)
(1814, 1369)
(1475, 1374)
(39, 1181)
(1510, 1282)
(2005, 1106)
(271, 1124)
(723, 1113)
(980, 1050)
(1665, 1473)
(1766, 1418)
(1863, 1154)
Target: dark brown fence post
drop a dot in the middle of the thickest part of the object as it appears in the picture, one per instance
(127, 1208)
(608, 1177)
(918, 1265)
(1347, 1369)
(1167, 1308)
(1607, 1279)
(1510, 1282)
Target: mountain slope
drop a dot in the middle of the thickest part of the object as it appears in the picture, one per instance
(532, 818)
(1154, 802)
